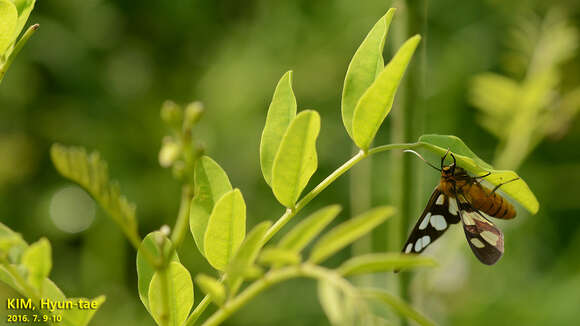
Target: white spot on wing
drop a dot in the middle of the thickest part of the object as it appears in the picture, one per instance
(425, 240)
(490, 237)
(467, 218)
(438, 222)
(453, 206)
(477, 243)
(409, 247)
(418, 245)
(425, 221)
(440, 200)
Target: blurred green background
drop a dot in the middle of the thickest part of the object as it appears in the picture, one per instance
(97, 72)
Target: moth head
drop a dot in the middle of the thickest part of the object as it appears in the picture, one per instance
(448, 170)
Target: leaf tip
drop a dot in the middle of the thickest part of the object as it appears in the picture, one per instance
(534, 207)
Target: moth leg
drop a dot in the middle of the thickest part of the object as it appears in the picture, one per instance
(501, 184)
(483, 176)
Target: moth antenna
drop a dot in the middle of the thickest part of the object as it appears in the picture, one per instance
(443, 158)
(421, 157)
(454, 164)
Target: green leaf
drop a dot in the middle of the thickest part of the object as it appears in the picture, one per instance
(308, 229)
(211, 183)
(179, 295)
(518, 190)
(145, 270)
(343, 308)
(376, 102)
(347, 232)
(7, 279)
(281, 112)
(8, 23)
(372, 263)
(21, 5)
(226, 229)
(11, 244)
(278, 257)
(81, 317)
(296, 159)
(211, 287)
(38, 261)
(364, 67)
(70, 317)
(440, 143)
(24, 8)
(332, 302)
(246, 256)
(400, 306)
(51, 291)
(90, 172)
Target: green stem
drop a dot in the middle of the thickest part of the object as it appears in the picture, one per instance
(164, 315)
(199, 309)
(414, 104)
(19, 45)
(274, 277)
(397, 171)
(360, 184)
(384, 148)
(182, 222)
(290, 213)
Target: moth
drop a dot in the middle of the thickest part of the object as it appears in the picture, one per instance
(461, 197)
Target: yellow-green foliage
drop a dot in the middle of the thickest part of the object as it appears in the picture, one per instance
(529, 103)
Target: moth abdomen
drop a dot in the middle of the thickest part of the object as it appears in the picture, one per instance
(490, 203)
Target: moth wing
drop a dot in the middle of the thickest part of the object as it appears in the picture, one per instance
(440, 212)
(483, 237)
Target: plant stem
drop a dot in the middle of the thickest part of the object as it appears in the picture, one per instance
(414, 102)
(164, 315)
(274, 277)
(199, 309)
(360, 201)
(406, 124)
(290, 213)
(182, 222)
(19, 45)
(384, 148)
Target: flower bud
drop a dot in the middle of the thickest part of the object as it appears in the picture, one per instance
(193, 113)
(171, 113)
(170, 151)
